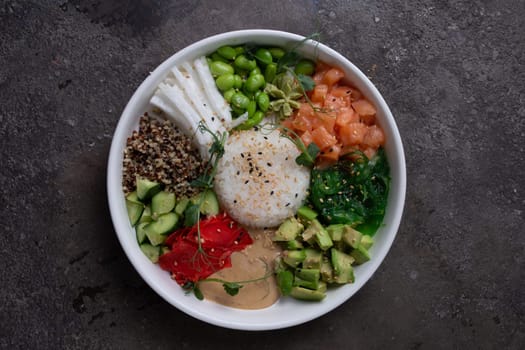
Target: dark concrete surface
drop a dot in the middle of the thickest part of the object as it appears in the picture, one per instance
(453, 73)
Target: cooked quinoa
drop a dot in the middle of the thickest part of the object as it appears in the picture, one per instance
(160, 152)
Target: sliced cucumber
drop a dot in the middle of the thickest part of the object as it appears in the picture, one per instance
(162, 203)
(165, 224)
(209, 203)
(146, 188)
(146, 215)
(151, 252)
(134, 211)
(181, 206)
(154, 238)
(132, 197)
(141, 233)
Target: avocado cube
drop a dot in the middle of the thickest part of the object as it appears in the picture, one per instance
(294, 245)
(288, 230)
(366, 242)
(323, 287)
(308, 278)
(307, 294)
(327, 271)
(316, 233)
(360, 254)
(181, 205)
(313, 259)
(342, 264)
(294, 257)
(306, 213)
(352, 237)
(323, 239)
(335, 231)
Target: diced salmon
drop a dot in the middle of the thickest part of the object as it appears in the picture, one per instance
(319, 93)
(364, 108)
(333, 76)
(374, 137)
(322, 138)
(345, 116)
(352, 133)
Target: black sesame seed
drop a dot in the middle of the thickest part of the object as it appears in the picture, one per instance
(269, 164)
(271, 193)
(287, 204)
(238, 172)
(259, 153)
(235, 201)
(245, 182)
(242, 155)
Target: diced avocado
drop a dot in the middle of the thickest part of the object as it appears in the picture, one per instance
(323, 239)
(146, 215)
(134, 211)
(151, 252)
(181, 205)
(352, 237)
(294, 244)
(162, 203)
(308, 278)
(307, 294)
(342, 264)
(311, 230)
(146, 188)
(293, 257)
(367, 242)
(285, 281)
(132, 197)
(209, 204)
(164, 224)
(327, 271)
(288, 230)
(322, 287)
(141, 233)
(313, 259)
(306, 213)
(335, 231)
(360, 254)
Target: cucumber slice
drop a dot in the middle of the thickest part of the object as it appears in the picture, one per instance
(151, 252)
(132, 197)
(162, 203)
(209, 203)
(154, 238)
(181, 206)
(146, 215)
(146, 188)
(134, 211)
(165, 224)
(141, 233)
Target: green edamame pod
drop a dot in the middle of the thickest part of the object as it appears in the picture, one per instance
(270, 72)
(263, 101)
(276, 52)
(225, 82)
(305, 67)
(243, 63)
(228, 94)
(227, 52)
(251, 108)
(237, 81)
(254, 82)
(263, 55)
(219, 68)
(251, 122)
(239, 100)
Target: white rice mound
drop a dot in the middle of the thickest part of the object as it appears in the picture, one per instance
(258, 183)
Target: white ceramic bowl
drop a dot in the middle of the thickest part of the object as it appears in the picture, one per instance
(287, 311)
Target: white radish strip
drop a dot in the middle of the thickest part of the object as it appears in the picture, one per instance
(219, 104)
(159, 100)
(195, 97)
(239, 120)
(176, 97)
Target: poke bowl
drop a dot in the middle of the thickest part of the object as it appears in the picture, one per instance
(154, 218)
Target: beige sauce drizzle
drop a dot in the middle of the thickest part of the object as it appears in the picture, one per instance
(247, 265)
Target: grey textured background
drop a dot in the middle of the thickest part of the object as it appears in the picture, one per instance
(453, 73)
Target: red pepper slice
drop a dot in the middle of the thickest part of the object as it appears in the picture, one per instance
(220, 237)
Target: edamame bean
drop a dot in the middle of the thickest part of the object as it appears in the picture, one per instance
(251, 122)
(216, 57)
(239, 50)
(263, 55)
(254, 82)
(270, 72)
(276, 52)
(237, 81)
(242, 62)
(225, 82)
(228, 95)
(305, 67)
(251, 108)
(219, 68)
(239, 100)
(256, 70)
(263, 101)
(227, 52)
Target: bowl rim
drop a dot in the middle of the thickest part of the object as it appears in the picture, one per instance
(116, 198)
